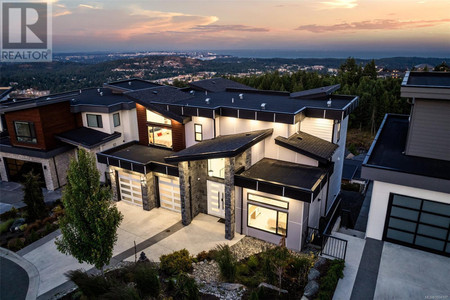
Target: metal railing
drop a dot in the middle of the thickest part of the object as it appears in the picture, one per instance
(333, 246)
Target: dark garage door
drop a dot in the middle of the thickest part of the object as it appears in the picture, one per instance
(418, 223)
(17, 168)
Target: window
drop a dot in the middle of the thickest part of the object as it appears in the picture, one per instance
(25, 132)
(198, 132)
(338, 132)
(94, 121)
(116, 119)
(268, 201)
(216, 167)
(160, 136)
(157, 119)
(267, 219)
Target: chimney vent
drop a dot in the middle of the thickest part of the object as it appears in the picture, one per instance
(101, 93)
(98, 90)
(241, 96)
(155, 92)
(192, 92)
(207, 100)
(329, 103)
(232, 100)
(129, 82)
(263, 105)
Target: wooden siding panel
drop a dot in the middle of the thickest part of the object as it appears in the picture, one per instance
(56, 118)
(178, 136)
(429, 130)
(27, 115)
(141, 113)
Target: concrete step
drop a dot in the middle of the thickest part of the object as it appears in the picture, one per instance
(352, 232)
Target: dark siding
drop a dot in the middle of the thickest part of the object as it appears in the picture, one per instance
(429, 130)
(178, 136)
(142, 124)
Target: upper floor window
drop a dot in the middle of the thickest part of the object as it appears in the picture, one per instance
(159, 136)
(157, 119)
(25, 132)
(94, 121)
(198, 132)
(216, 167)
(116, 119)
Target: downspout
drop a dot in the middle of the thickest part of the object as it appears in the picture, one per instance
(56, 170)
(214, 121)
(242, 209)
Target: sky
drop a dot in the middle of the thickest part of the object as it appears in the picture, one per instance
(416, 27)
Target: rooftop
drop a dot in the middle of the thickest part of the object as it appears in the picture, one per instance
(132, 84)
(308, 145)
(427, 79)
(387, 152)
(218, 84)
(86, 137)
(351, 169)
(314, 93)
(221, 146)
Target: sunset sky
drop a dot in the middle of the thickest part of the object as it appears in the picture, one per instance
(397, 25)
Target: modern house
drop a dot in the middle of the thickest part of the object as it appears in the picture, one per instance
(409, 163)
(267, 164)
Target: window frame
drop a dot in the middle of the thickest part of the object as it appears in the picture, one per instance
(98, 117)
(118, 119)
(224, 165)
(153, 133)
(271, 205)
(32, 128)
(196, 132)
(278, 211)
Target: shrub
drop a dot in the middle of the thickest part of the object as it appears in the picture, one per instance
(186, 288)
(121, 292)
(208, 255)
(10, 214)
(253, 262)
(4, 227)
(254, 295)
(32, 227)
(91, 286)
(330, 280)
(32, 237)
(147, 281)
(242, 269)
(176, 262)
(227, 262)
(16, 244)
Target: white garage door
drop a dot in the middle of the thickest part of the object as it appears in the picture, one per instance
(130, 188)
(169, 193)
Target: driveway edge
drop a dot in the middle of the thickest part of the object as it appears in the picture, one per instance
(32, 271)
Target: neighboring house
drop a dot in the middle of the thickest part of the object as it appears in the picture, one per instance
(268, 163)
(42, 134)
(351, 173)
(409, 163)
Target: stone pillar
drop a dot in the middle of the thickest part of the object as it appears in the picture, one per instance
(148, 192)
(230, 222)
(248, 158)
(3, 173)
(183, 171)
(114, 183)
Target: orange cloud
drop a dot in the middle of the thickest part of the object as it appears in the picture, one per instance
(384, 24)
(222, 28)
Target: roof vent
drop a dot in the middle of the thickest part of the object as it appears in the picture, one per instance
(48, 98)
(192, 92)
(206, 93)
(73, 100)
(213, 82)
(98, 90)
(101, 93)
(14, 100)
(155, 92)
(263, 105)
(232, 100)
(129, 82)
(241, 96)
(207, 100)
(80, 91)
(329, 103)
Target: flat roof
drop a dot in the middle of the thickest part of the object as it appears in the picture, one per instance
(217, 84)
(132, 84)
(387, 152)
(318, 92)
(86, 137)
(140, 153)
(308, 145)
(221, 146)
(351, 169)
(5, 146)
(427, 79)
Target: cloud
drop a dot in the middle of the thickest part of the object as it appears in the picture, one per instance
(90, 6)
(338, 4)
(379, 24)
(222, 28)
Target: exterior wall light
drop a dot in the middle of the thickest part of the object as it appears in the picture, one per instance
(143, 181)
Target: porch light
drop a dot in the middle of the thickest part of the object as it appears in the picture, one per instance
(143, 181)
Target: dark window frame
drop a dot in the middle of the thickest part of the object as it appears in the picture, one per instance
(278, 207)
(118, 119)
(270, 208)
(32, 138)
(153, 125)
(98, 119)
(195, 132)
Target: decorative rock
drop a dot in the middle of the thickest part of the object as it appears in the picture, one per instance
(319, 262)
(313, 274)
(232, 286)
(304, 298)
(271, 287)
(311, 289)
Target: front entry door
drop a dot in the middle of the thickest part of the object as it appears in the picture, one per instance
(216, 199)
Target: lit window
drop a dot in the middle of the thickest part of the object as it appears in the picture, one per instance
(268, 201)
(198, 132)
(116, 119)
(158, 119)
(160, 136)
(216, 167)
(25, 132)
(267, 219)
(94, 121)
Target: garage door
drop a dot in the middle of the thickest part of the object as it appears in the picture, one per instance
(418, 223)
(130, 188)
(169, 193)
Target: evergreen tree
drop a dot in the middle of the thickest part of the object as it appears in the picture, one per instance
(370, 70)
(33, 197)
(89, 225)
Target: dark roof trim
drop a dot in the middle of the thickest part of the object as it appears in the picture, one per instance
(111, 137)
(316, 93)
(250, 90)
(76, 108)
(6, 91)
(15, 106)
(283, 142)
(34, 152)
(131, 165)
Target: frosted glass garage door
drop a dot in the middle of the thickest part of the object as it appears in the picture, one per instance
(130, 188)
(169, 193)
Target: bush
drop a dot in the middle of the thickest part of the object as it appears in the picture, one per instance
(208, 255)
(32, 237)
(16, 244)
(121, 292)
(91, 286)
(10, 214)
(253, 262)
(227, 262)
(186, 288)
(4, 227)
(329, 282)
(147, 281)
(176, 262)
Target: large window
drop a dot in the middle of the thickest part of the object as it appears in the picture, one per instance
(25, 132)
(157, 119)
(94, 121)
(216, 167)
(116, 119)
(198, 132)
(159, 130)
(268, 219)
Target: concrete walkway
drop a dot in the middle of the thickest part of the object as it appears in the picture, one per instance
(19, 279)
(361, 222)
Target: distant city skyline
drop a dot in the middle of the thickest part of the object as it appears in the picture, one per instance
(338, 27)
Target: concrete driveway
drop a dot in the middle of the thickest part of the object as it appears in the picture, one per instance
(407, 273)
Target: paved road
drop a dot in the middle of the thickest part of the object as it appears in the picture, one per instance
(13, 280)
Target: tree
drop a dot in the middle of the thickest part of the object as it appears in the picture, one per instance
(443, 67)
(33, 197)
(89, 225)
(370, 70)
